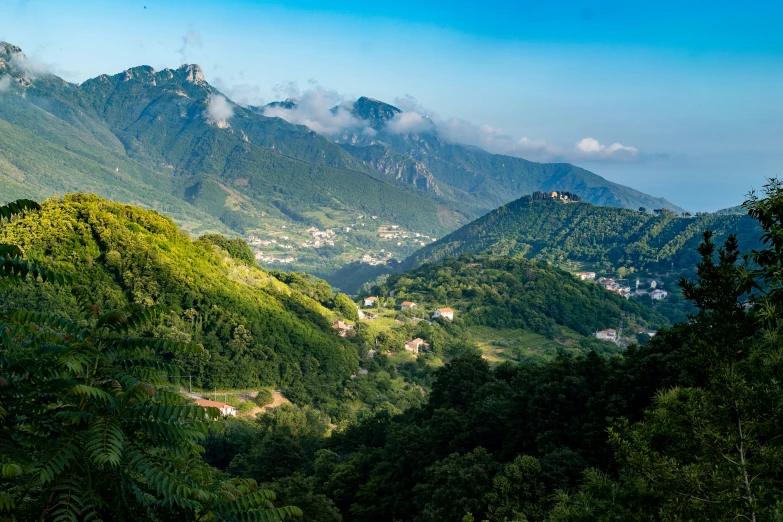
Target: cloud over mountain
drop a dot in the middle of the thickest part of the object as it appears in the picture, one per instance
(322, 110)
(219, 110)
(329, 113)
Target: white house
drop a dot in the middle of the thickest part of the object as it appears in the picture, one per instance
(370, 301)
(407, 305)
(658, 294)
(446, 313)
(607, 335)
(225, 409)
(415, 345)
(586, 275)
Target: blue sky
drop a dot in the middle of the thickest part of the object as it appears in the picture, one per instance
(693, 87)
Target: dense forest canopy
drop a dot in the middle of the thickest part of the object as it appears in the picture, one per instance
(257, 331)
(580, 234)
(513, 292)
(684, 428)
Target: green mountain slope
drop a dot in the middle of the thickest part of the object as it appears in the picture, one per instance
(512, 292)
(583, 235)
(257, 330)
(148, 137)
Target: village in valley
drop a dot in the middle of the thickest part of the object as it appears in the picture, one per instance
(650, 287)
(347, 239)
(414, 346)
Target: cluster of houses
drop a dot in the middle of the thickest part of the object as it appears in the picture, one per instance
(611, 335)
(374, 261)
(649, 288)
(445, 313)
(655, 293)
(393, 232)
(320, 238)
(613, 286)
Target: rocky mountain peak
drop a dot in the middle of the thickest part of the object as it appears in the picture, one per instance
(193, 74)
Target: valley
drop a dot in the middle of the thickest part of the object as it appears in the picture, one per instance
(219, 310)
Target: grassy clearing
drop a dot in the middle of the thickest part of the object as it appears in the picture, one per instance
(512, 344)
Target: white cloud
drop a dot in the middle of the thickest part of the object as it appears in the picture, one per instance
(5, 83)
(412, 122)
(242, 94)
(190, 41)
(219, 110)
(32, 67)
(316, 109)
(591, 147)
(323, 111)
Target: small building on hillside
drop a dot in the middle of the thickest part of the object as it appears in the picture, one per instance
(586, 275)
(370, 301)
(607, 335)
(225, 409)
(407, 305)
(658, 295)
(341, 327)
(446, 313)
(415, 345)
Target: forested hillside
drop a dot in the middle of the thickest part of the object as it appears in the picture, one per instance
(256, 330)
(577, 235)
(511, 292)
(685, 428)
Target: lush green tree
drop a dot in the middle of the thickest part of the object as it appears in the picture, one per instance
(345, 306)
(455, 487)
(712, 451)
(299, 490)
(517, 492)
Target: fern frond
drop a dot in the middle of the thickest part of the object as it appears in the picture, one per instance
(159, 345)
(93, 393)
(6, 502)
(105, 441)
(18, 207)
(59, 461)
(10, 470)
(15, 268)
(62, 324)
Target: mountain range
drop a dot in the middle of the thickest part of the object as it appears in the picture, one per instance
(170, 141)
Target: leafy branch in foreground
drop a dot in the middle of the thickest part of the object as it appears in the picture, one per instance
(89, 428)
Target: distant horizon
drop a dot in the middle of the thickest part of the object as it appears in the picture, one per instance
(667, 101)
